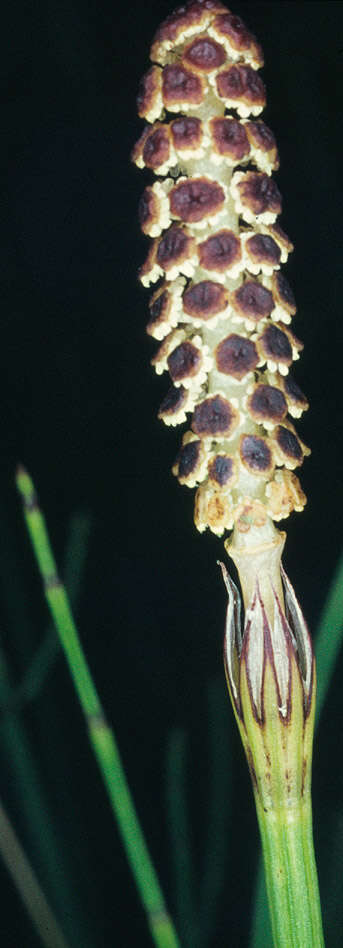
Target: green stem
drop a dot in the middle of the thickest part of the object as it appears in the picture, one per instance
(291, 876)
(101, 735)
(48, 649)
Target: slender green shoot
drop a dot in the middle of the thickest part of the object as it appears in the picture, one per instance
(28, 886)
(44, 658)
(101, 735)
(51, 862)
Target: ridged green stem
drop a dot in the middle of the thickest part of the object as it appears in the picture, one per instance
(291, 876)
(101, 735)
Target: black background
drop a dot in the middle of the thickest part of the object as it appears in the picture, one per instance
(78, 408)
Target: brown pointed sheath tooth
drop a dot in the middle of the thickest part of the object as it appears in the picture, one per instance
(233, 637)
(222, 305)
(279, 658)
(296, 620)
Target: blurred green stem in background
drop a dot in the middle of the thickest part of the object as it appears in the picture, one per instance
(101, 735)
(28, 886)
(42, 840)
(327, 642)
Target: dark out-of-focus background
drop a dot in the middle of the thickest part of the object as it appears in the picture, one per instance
(78, 408)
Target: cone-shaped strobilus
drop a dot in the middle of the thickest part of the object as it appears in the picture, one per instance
(221, 312)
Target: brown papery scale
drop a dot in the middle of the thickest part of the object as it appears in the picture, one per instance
(221, 306)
